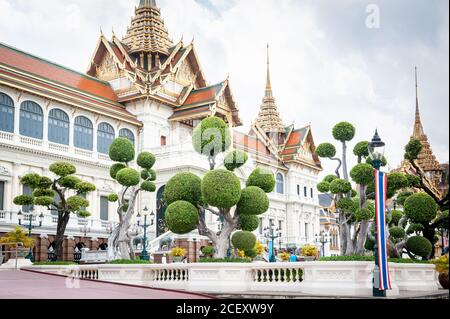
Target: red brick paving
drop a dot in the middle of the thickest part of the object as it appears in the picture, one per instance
(30, 285)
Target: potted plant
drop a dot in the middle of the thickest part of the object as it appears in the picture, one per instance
(208, 251)
(309, 252)
(442, 268)
(18, 237)
(178, 254)
(285, 256)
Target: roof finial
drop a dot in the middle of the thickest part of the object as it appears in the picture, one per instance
(101, 31)
(147, 3)
(418, 128)
(268, 84)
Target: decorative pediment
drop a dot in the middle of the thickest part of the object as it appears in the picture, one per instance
(107, 70)
(185, 74)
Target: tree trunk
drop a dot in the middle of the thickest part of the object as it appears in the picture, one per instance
(349, 249)
(363, 226)
(344, 160)
(63, 220)
(429, 233)
(223, 239)
(342, 233)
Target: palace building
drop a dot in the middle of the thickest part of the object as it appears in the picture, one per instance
(153, 91)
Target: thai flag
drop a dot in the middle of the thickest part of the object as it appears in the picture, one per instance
(380, 218)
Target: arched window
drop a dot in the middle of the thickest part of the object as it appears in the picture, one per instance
(280, 183)
(105, 137)
(84, 133)
(6, 113)
(31, 120)
(127, 134)
(58, 127)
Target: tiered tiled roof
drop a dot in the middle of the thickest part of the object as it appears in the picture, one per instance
(38, 76)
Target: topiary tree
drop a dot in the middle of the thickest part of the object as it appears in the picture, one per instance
(63, 194)
(219, 193)
(133, 182)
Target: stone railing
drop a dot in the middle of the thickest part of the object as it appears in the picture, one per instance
(312, 278)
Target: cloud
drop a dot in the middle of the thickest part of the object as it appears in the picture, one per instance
(326, 65)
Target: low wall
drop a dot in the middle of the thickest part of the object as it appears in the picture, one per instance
(319, 278)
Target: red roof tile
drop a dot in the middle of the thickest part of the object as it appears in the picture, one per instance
(250, 143)
(204, 94)
(296, 138)
(53, 72)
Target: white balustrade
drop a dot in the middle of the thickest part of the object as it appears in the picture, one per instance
(6, 136)
(31, 141)
(58, 147)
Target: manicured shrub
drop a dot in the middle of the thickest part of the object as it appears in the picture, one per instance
(221, 188)
(32, 180)
(396, 215)
(148, 174)
(113, 198)
(38, 192)
(419, 246)
(326, 150)
(361, 149)
(85, 187)
(251, 253)
(340, 186)
(45, 182)
(382, 164)
(330, 178)
(243, 240)
(121, 150)
(148, 186)
(413, 228)
(128, 177)
(323, 187)
(23, 200)
(420, 208)
(344, 132)
(397, 181)
(248, 222)
(211, 137)
(413, 149)
(263, 179)
(364, 214)
(413, 181)
(69, 181)
(43, 201)
(182, 217)
(235, 159)
(345, 204)
(397, 232)
(253, 201)
(77, 202)
(62, 169)
(208, 251)
(115, 168)
(183, 186)
(362, 174)
(146, 160)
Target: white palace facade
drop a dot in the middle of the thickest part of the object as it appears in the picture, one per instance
(152, 91)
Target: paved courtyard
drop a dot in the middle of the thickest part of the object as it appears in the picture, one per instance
(30, 285)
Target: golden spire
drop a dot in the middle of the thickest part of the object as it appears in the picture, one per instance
(269, 119)
(147, 3)
(418, 128)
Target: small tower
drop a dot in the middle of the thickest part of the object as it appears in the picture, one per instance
(269, 119)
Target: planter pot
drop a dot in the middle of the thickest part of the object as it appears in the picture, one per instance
(443, 280)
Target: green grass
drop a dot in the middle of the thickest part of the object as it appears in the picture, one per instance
(129, 262)
(54, 263)
(225, 260)
(371, 258)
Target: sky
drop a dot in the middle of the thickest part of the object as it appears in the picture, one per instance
(331, 61)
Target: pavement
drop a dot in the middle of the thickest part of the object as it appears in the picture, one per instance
(19, 284)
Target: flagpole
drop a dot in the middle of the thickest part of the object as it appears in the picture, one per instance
(376, 272)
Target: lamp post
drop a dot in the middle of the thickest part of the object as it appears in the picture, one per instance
(376, 153)
(143, 219)
(323, 238)
(30, 226)
(272, 233)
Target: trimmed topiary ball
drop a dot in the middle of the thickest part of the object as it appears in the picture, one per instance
(235, 159)
(248, 222)
(330, 178)
(344, 132)
(361, 149)
(251, 253)
(383, 161)
(263, 179)
(420, 208)
(412, 228)
(221, 188)
(345, 204)
(63, 169)
(362, 174)
(23, 200)
(113, 198)
(146, 160)
(121, 150)
(76, 202)
(253, 201)
(396, 215)
(45, 182)
(148, 174)
(69, 181)
(148, 186)
(397, 232)
(323, 187)
(85, 187)
(340, 186)
(183, 186)
(419, 246)
(182, 217)
(128, 177)
(413, 149)
(38, 192)
(243, 240)
(32, 180)
(397, 181)
(43, 201)
(326, 150)
(211, 137)
(363, 214)
(115, 168)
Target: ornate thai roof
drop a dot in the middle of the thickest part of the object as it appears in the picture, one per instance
(38, 76)
(269, 118)
(147, 32)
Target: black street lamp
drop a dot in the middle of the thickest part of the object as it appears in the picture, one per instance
(323, 238)
(142, 219)
(272, 233)
(376, 153)
(31, 215)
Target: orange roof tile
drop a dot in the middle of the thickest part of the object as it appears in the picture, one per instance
(47, 70)
(296, 137)
(204, 94)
